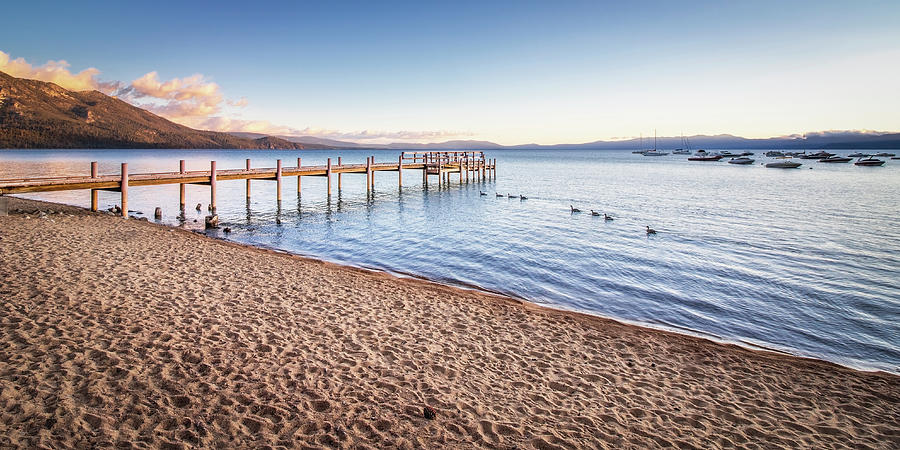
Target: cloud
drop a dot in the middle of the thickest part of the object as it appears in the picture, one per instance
(57, 72)
(194, 101)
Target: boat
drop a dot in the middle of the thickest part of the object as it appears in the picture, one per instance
(870, 161)
(743, 160)
(784, 164)
(727, 154)
(685, 146)
(858, 155)
(747, 154)
(895, 157)
(681, 151)
(655, 152)
(774, 153)
(836, 159)
(817, 155)
(642, 150)
(702, 155)
(885, 155)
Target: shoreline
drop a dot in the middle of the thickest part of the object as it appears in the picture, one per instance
(362, 351)
(665, 328)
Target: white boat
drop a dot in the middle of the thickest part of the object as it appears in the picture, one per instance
(783, 164)
(857, 155)
(774, 153)
(655, 153)
(743, 160)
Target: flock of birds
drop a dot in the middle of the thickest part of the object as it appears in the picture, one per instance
(572, 208)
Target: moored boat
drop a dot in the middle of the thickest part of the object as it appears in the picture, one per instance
(702, 155)
(835, 159)
(870, 161)
(774, 153)
(858, 155)
(817, 155)
(885, 155)
(655, 153)
(784, 164)
(742, 160)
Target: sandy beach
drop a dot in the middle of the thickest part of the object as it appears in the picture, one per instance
(124, 333)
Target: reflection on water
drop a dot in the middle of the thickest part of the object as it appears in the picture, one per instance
(804, 261)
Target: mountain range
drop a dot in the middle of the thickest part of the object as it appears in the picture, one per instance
(38, 114)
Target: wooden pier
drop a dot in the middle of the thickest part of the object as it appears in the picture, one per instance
(467, 165)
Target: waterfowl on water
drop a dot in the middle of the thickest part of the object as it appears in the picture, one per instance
(594, 213)
(607, 217)
(482, 192)
(574, 209)
(508, 195)
(499, 195)
(650, 230)
(523, 197)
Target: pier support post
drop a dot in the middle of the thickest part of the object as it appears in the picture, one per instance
(212, 187)
(123, 188)
(181, 185)
(328, 175)
(248, 180)
(340, 163)
(95, 194)
(373, 171)
(278, 180)
(368, 174)
(299, 163)
(400, 171)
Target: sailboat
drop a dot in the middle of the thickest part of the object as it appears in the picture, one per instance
(685, 147)
(654, 152)
(641, 150)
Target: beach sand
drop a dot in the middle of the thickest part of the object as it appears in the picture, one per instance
(125, 333)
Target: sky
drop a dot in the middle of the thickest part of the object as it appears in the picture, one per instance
(509, 72)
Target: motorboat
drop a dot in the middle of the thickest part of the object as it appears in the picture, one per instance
(885, 155)
(870, 161)
(743, 160)
(817, 155)
(895, 157)
(747, 154)
(655, 153)
(858, 155)
(702, 155)
(727, 154)
(784, 164)
(836, 159)
(774, 153)
(681, 151)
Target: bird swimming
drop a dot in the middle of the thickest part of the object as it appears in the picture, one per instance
(522, 197)
(607, 217)
(650, 230)
(510, 195)
(499, 195)
(574, 209)
(482, 192)
(594, 213)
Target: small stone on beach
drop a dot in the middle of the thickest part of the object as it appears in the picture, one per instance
(429, 412)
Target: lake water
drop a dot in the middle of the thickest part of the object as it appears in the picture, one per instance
(802, 261)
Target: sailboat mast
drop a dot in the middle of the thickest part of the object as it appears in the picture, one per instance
(654, 139)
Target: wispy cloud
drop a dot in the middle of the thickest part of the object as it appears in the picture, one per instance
(369, 136)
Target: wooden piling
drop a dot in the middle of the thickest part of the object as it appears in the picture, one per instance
(95, 194)
(278, 180)
(123, 188)
(372, 158)
(400, 171)
(339, 174)
(328, 175)
(248, 180)
(368, 174)
(181, 185)
(212, 187)
(298, 176)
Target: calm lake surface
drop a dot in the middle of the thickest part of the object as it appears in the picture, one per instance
(802, 261)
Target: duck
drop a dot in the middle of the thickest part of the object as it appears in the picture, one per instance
(574, 209)
(499, 195)
(522, 197)
(508, 195)
(650, 230)
(594, 213)
(607, 217)
(482, 192)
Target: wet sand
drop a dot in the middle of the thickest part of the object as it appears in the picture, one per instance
(125, 333)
